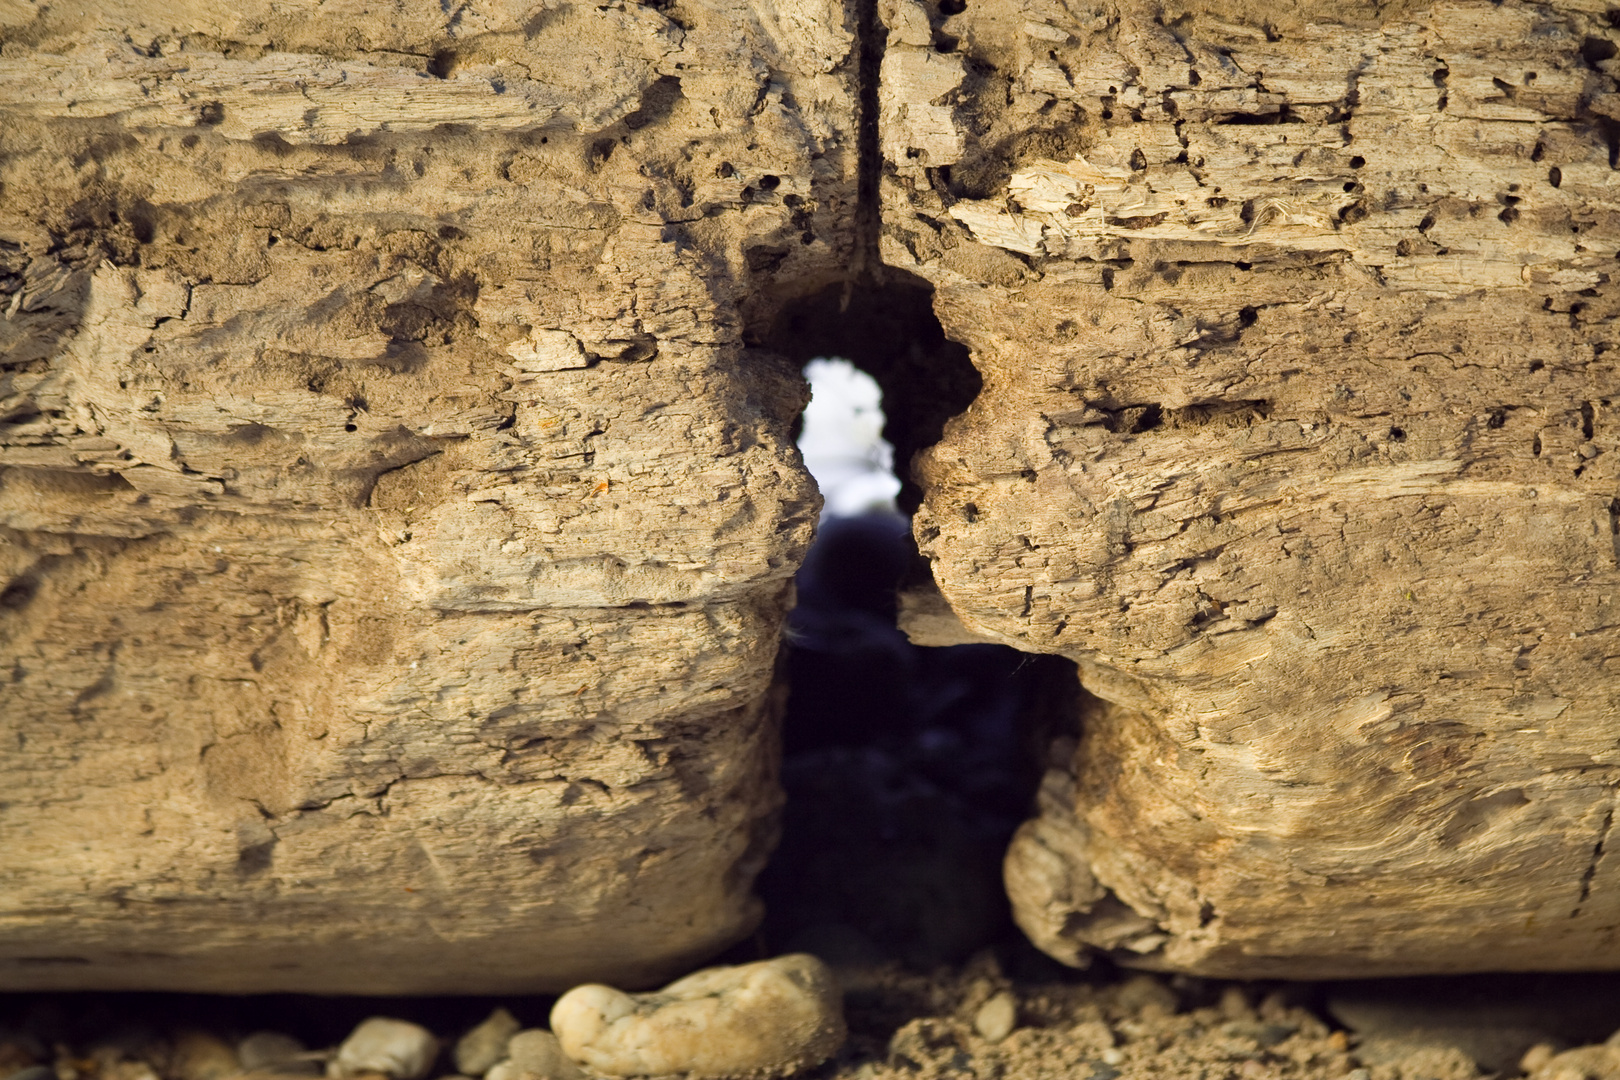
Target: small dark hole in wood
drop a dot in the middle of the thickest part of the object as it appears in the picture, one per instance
(441, 64)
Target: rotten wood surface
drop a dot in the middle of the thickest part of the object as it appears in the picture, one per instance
(399, 504)
(397, 528)
(1299, 436)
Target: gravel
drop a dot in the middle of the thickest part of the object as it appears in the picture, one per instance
(951, 1023)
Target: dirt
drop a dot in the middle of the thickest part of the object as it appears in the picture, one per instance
(909, 1025)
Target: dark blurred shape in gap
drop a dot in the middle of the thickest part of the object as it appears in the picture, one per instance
(906, 768)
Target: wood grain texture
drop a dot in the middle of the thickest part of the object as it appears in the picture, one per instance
(396, 526)
(1298, 435)
(398, 507)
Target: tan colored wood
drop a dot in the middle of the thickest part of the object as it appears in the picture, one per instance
(397, 528)
(398, 512)
(1298, 435)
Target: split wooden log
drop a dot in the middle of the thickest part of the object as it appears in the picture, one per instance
(396, 526)
(398, 506)
(1299, 435)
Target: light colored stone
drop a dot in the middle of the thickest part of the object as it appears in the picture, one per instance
(483, 1046)
(536, 1055)
(997, 1017)
(275, 1052)
(200, 1055)
(1537, 1056)
(396, 1048)
(1581, 1063)
(1498, 1030)
(133, 1070)
(770, 1017)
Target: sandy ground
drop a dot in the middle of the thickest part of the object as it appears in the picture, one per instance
(1099, 1025)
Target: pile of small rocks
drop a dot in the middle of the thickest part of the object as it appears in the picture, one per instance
(787, 1015)
(767, 1018)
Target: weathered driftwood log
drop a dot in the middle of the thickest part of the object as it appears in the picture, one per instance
(398, 507)
(1299, 434)
(396, 528)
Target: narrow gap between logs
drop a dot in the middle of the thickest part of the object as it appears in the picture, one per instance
(906, 768)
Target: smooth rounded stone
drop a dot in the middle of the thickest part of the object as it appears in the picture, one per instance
(275, 1052)
(130, 1070)
(1581, 1063)
(771, 1017)
(483, 1046)
(997, 1017)
(535, 1055)
(33, 1072)
(1537, 1056)
(1495, 1031)
(395, 1048)
(199, 1055)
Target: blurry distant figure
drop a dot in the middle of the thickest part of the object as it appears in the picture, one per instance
(906, 768)
(842, 441)
(851, 668)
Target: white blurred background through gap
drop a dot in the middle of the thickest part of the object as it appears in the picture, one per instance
(842, 440)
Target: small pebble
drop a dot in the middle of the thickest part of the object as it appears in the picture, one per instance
(395, 1048)
(275, 1052)
(1537, 1056)
(536, 1055)
(483, 1046)
(1147, 996)
(771, 1017)
(1235, 1004)
(1581, 1063)
(129, 1070)
(1112, 1056)
(997, 1017)
(201, 1056)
